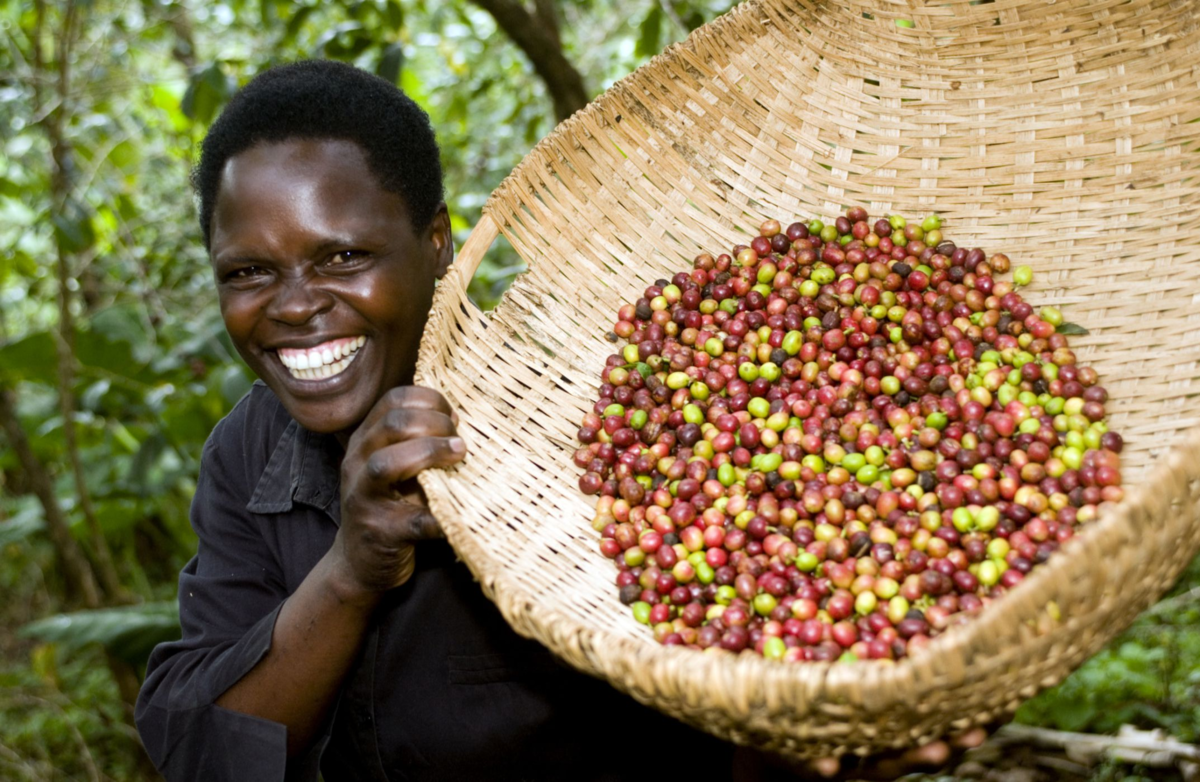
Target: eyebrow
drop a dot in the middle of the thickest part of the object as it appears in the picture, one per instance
(337, 242)
(253, 256)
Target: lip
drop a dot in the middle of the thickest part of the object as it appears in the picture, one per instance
(307, 344)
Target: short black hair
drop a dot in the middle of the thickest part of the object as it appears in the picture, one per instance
(324, 99)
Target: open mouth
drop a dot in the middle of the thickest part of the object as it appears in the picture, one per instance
(323, 361)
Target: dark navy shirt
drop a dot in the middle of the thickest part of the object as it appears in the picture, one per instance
(443, 689)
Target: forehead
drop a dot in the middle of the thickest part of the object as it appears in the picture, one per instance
(314, 183)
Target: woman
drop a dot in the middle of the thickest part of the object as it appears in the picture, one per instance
(318, 632)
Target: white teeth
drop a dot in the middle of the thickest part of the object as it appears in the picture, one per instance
(322, 363)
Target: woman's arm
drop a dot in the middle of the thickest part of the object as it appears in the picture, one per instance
(316, 638)
(320, 628)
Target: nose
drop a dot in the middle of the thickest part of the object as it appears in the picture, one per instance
(298, 300)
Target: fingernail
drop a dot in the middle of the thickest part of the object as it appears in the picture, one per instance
(457, 445)
(454, 417)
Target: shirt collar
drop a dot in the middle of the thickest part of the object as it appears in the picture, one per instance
(303, 468)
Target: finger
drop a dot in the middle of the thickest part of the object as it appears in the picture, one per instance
(969, 739)
(421, 525)
(934, 753)
(827, 767)
(395, 463)
(408, 397)
(400, 424)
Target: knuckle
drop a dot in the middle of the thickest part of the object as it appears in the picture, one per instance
(376, 466)
(397, 421)
(430, 398)
(422, 523)
(397, 396)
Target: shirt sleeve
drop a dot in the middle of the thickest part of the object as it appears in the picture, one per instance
(230, 594)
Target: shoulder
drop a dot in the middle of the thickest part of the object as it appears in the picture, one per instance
(245, 438)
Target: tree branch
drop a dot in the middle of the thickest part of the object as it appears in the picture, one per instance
(1130, 745)
(547, 12)
(175, 16)
(537, 36)
(80, 578)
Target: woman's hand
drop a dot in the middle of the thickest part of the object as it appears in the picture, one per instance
(383, 511)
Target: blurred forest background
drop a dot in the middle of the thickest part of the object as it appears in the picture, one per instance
(114, 365)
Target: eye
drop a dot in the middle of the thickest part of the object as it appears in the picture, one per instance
(347, 257)
(244, 273)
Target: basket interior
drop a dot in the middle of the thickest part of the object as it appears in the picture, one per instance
(1061, 134)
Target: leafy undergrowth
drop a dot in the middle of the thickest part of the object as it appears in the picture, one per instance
(62, 721)
(1148, 677)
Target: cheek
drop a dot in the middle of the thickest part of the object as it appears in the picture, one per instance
(238, 313)
(402, 303)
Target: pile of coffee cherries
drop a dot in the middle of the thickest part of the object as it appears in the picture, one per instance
(838, 441)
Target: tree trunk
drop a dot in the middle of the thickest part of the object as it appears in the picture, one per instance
(75, 567)
(536, 33)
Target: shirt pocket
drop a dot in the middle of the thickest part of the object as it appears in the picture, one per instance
(507, 710)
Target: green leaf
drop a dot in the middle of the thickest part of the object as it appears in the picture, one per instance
(116, 515)
(73, 228)
(296, 22)
(96, 351)
(648, 33)
(1072, 714)
(395, 14)
(330, 44)
(1071, 329)
(22, 525)
(391, 63)
(642, 369)
(93, 395)
(145, 460)
(31, 358)
(128, 632)
(208, 90)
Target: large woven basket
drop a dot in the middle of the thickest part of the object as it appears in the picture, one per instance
(1057, 131)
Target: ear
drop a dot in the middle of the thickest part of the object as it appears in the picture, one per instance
(440, 237)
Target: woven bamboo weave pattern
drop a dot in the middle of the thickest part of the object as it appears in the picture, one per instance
(1062, 133)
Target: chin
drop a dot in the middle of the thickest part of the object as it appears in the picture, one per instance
(326, 418)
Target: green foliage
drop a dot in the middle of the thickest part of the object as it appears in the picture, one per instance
(61, 718)
(128, 632)
(1148, 677)
(21, 525)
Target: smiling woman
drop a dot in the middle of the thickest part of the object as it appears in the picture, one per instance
(325, 628)
(312, 256)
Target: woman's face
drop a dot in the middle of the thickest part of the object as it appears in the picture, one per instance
(323, 283)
